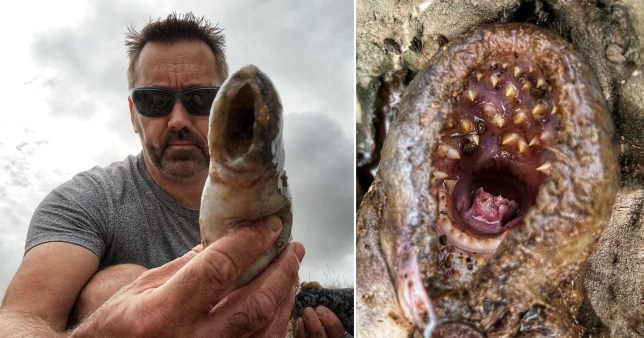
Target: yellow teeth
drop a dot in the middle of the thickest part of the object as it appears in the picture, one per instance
(540, 82)
(517, 71)
(553, 111)
(494, 80)
(534, 142)
(539, 110)
(466, 126)
(470, 94)
(474, 138)
(510, 139)
(514, 138)
(545, 168)
(504, 65)
(438, 175)
(498, 120)
(526, 86)
(479, 76)
(510, 91)
(449, 184)
(520, 117)
(446, 151)
(523, 146)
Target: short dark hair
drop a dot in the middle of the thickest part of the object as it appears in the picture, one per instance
(176, 27)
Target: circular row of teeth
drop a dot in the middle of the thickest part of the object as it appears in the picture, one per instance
(539, 111)
(460, 238)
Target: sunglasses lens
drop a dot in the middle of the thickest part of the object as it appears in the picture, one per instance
(198, 101)
(153, 102)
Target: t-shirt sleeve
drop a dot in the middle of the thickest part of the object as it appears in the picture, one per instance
(75, 212)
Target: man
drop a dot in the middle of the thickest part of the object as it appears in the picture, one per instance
(142, 213)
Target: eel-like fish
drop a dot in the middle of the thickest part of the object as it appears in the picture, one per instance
(495, 181)
(246, 179)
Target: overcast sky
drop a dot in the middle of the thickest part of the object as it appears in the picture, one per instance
(64, 106)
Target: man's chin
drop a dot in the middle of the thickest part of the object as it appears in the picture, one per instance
(184, 168)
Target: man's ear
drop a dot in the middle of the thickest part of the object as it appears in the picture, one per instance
(135, 125)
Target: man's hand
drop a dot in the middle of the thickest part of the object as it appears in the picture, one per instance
(319, 323)
(191, 296)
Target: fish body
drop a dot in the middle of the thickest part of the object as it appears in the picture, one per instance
(246, 179)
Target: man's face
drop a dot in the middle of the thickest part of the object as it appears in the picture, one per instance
(176, 144)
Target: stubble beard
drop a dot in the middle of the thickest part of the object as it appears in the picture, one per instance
(179, 164)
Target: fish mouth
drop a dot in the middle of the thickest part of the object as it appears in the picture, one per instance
(491, 158)
(239, 126)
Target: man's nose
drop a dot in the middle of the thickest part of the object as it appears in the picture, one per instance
(179, 117)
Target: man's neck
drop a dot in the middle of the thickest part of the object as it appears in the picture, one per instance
(184, 191)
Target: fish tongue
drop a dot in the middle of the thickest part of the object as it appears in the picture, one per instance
(487, 213)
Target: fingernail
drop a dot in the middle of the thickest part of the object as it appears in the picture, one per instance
(308, 313)
(322, 311)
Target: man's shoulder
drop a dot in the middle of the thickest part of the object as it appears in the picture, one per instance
(115, 176)
(123, 169)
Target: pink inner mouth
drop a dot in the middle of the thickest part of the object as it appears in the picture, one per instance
(491, 157)
(488, 212)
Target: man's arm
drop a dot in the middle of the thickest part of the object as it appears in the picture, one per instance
(44, 289)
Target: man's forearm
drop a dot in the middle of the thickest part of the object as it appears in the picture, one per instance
(18, 324)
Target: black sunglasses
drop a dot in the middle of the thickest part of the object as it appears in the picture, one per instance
(157, 102)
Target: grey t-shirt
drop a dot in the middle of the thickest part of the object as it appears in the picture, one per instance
(119, 214)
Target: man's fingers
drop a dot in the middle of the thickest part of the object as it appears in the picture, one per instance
(320, 323)
(312, 324)
(279, 324)
(204, 280)
(332, 325)
(156, 277)
(251, 307)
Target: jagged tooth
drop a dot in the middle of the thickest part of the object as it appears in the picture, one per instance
(545, 168)
(534, 141)
(530, 69)
(466, 126)
(498, 120)
(554, 110)
(509, 139)
(539, 110)
(510, 91)
(526, 86)
(453, 154)
(474, 138)
(494, 64)
(479, 76)
(523, 146)
(519, 118)
(470, 94)
(504, 65)
(446, 151)
(494, 80)
(517, 71)
(540, 82)
(438, 175)
(449, 184)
